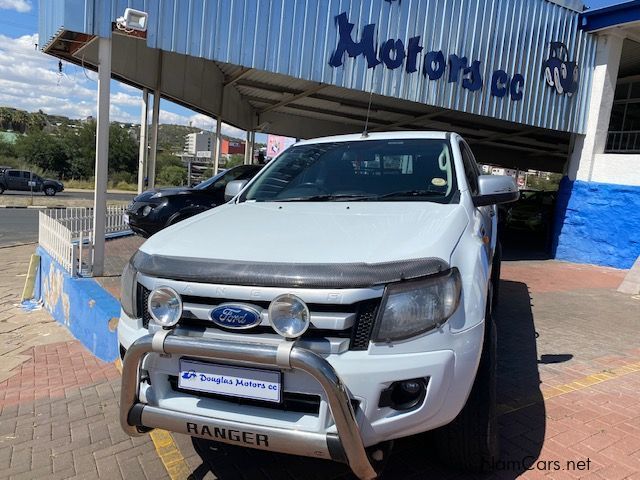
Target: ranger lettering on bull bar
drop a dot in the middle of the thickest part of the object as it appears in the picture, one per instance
(247, 438)
(370, 285)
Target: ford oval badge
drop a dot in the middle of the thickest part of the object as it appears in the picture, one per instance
(235, 316)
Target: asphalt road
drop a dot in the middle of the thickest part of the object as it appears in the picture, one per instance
(85, 195)
(18, 225)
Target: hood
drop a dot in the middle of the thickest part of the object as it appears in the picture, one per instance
(160, 193)
(328, 232)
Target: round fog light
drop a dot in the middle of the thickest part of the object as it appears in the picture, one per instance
(165, 306)
(289, 316)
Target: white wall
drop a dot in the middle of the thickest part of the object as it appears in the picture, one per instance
(616, 169)
(603, 86)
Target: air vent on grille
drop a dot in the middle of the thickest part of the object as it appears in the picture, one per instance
(361, 332)
(143, 301)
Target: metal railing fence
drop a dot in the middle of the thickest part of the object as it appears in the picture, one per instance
(67, 234)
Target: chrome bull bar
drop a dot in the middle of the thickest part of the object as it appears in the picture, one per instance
(347, 446)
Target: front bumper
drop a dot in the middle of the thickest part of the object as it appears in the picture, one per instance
(347, 445)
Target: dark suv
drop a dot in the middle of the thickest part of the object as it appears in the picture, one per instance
(24, 180)
(153, 210)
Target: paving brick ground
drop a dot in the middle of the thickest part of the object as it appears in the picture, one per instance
(58, 403)
(569, 383)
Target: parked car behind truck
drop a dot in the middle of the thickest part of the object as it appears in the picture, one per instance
(347, 303)
(153, 210)
(26, 181)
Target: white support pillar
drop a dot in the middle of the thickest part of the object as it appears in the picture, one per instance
(247, 153)
(603, 87)
(102, 155)
(144, 140)
(153, 153)
(252, 146)
(218, 146)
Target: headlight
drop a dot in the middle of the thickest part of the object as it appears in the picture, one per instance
(289, 316)
(165, 306)
(414, 307)
(127, 290)
(146, 210)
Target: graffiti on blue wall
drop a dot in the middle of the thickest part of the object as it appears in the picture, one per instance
(394, 53)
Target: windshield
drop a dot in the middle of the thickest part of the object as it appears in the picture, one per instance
(369, 170)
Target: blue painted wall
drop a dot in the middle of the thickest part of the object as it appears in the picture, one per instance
(597, 223)
(82, 305)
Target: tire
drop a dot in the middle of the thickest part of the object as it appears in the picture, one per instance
(471, 441)
(1, 189)
(495, 276)
(49, 191)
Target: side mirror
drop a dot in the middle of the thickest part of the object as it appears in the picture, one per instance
(496, 189)
(233, 188)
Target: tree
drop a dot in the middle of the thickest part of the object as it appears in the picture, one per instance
(44, 151)
(123, 150)
(172, 175)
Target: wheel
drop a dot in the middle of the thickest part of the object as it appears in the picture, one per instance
(495, 276)
(471, 441)
(49, 191)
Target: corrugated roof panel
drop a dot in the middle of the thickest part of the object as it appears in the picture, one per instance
(297, 39)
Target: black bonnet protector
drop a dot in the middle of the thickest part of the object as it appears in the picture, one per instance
(300, 275)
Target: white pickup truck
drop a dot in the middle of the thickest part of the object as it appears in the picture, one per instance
(340, 300)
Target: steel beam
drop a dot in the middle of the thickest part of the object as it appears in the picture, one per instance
(293, 98)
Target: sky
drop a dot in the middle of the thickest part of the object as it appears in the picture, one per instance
(30, 80)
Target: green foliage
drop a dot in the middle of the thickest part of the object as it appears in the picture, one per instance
(44, 151)
(173, 175)
(542, 183)
(123, 150)
(234, 161)
(7, 149)
(171, 138)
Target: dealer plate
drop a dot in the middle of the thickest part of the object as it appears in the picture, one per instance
(241, 382)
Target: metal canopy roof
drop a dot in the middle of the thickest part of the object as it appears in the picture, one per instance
(251, 92)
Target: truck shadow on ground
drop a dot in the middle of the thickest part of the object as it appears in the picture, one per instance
(520, 407)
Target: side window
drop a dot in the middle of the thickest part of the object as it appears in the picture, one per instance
(13, 173)
(26, 175)
(471, 170)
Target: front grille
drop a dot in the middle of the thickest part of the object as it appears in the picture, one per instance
(359, 334)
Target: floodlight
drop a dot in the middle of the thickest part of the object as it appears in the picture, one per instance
(133, 20)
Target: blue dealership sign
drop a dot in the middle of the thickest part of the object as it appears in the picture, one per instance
(393, 53)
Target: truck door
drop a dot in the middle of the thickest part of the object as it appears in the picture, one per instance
(26, 178)
(484, 217)
(14, 179)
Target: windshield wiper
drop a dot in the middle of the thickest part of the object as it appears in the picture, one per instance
(410, 193)
(325, 198)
